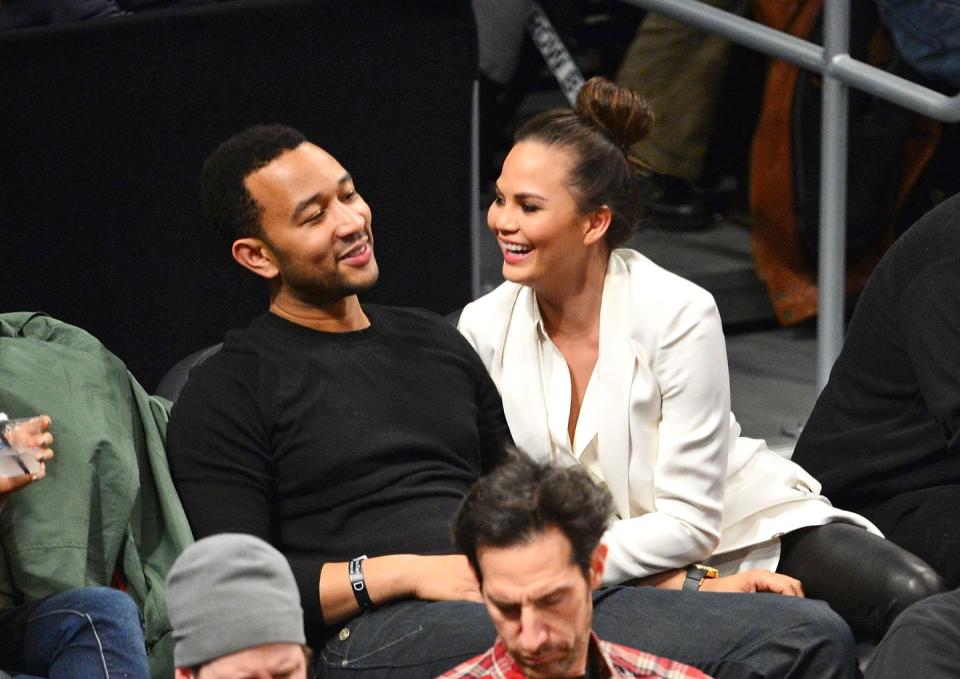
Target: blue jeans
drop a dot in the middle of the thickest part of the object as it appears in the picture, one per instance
(91, 632)
(726, 635)
(927, 33)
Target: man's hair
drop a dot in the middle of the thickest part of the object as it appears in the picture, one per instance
(224, 196)
(521, 498)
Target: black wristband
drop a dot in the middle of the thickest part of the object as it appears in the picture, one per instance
(358, 584)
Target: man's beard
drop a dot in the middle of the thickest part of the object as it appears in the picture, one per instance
(558, 666)
(327, 289)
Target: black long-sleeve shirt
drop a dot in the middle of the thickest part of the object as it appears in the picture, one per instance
(888, 421)
(332, 445)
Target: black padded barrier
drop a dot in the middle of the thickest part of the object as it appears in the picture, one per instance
(104, 126)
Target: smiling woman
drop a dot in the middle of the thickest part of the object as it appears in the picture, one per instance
(606, 360)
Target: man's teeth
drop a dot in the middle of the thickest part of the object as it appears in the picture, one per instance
(517, 249)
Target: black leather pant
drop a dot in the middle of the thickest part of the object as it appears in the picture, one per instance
(869, 581)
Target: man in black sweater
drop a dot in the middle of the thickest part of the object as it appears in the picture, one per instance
(338, 432)
(884, 435)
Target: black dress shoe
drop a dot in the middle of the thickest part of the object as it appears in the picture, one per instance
(674, 203)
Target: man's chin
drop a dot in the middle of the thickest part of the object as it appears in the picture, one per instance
(554, 668)
(365, 279)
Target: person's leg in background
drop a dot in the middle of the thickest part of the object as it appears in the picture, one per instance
(91, 632)
(866, 579)
(680, 71)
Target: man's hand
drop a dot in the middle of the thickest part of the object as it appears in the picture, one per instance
(755, 580)
(445, 578)
(29, 434)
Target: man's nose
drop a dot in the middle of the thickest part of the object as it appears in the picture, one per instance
(533, 633)
(348, 221)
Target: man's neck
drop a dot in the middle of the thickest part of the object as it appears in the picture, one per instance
(344, 315)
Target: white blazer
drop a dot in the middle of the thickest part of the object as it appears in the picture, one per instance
(685, 485)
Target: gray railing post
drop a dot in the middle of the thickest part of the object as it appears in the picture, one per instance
(831, 273)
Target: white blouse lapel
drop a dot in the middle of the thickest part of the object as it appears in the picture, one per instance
(520, 382)
(614, 375)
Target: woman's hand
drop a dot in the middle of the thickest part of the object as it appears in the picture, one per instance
(755, 580)
(30, 433)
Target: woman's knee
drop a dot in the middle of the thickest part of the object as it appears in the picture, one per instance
(912, 580)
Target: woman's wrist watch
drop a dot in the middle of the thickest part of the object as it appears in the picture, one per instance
(696, 575)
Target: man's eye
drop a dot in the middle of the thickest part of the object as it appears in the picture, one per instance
(348, 196)
(498, 200)
(316, 217)
(551, 601)
(508, 610)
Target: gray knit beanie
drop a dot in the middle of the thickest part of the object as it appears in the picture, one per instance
(230, 592)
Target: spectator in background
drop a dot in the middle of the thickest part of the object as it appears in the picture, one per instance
(679, 70)
(26, 13)
(89, 632)
(927, 35)
(235, 611)
(531, 532)
(884, 434)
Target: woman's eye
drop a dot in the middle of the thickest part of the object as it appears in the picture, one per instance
(498, 200)
(530, 208)
(348, 196)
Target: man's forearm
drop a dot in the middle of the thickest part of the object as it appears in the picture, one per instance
(387, 578)
(445, 577)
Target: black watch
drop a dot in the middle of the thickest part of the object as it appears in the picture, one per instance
(696, 575)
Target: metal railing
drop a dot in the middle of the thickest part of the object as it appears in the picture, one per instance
(839, 71)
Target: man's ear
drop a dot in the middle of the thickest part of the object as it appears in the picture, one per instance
(255, 255)
(183, 673)
(597, 561)
(597, 225)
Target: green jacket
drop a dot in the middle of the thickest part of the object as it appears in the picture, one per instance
(108, 501)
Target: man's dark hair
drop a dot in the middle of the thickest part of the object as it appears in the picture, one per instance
(521, 498)
(226, 202)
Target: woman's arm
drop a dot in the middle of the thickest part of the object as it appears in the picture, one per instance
(683, 491)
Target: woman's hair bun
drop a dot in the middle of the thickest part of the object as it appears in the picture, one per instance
(623, 115)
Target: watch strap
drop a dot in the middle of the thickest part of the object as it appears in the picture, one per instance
(696, 575)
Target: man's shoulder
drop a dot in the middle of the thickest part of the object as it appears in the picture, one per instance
(404, 316)
(412, 324)
(629, 663)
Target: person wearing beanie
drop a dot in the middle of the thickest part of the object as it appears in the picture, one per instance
(235, 611)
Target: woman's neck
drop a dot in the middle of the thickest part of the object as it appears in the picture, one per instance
(570, 306)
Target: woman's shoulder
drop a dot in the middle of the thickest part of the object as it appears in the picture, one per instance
(493, 305)
(656, 290)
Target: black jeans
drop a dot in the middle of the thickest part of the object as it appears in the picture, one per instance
(869, 581)
(747, 636)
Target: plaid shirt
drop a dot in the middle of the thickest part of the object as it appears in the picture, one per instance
(616, 661)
